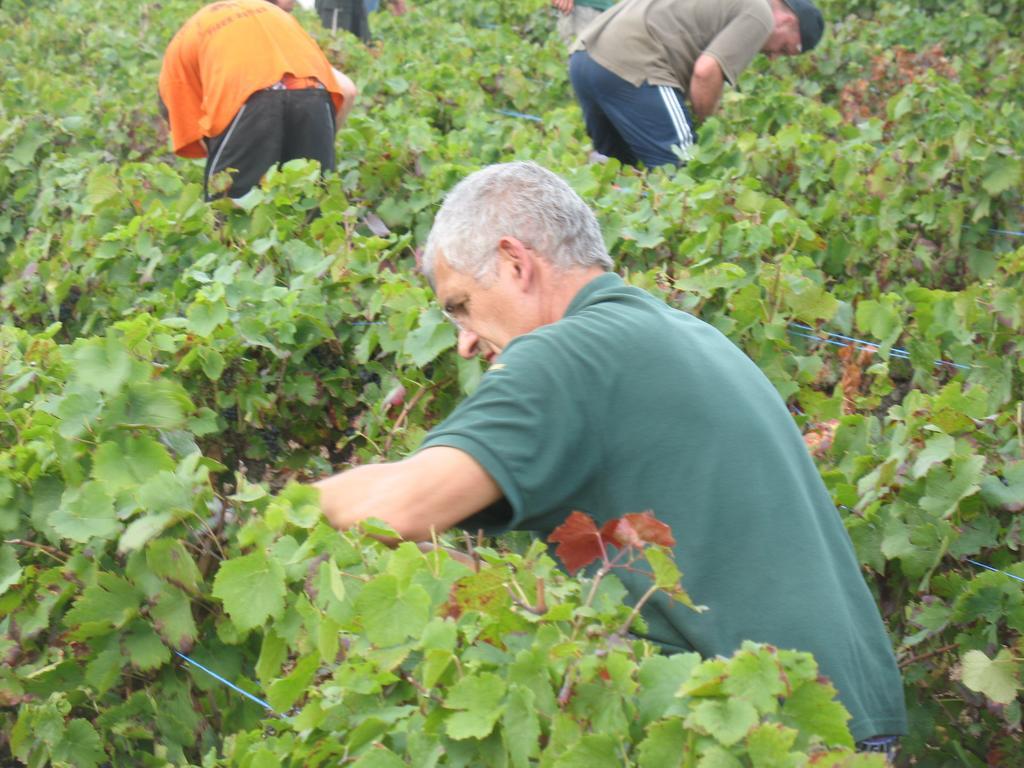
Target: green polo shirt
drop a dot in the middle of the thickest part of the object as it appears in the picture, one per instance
(626, 405)
(659, 41)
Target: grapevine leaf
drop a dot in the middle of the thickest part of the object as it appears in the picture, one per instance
(813, 709)
(142, 530)
(521, 727)
(727, 720)
(938, 448)
(1005, 174)
(111, 601)
(103, 363)
(282, 694)
(430, 338)
(1007, 493)
(391, 616)
(717, 757)
(10, 570)
(145, 648)
(756, 676)
(170, 559)
(592, 751)
(85, 513)
(770, 744)
(642, 526)
(946, 487)
(172, 618)
(667, 577)
(104, 669)
(80, 746)
(664, 745)
(998, 678)
(138, 460)
(252, 588)
(477, 699)
(660, 677)
(379, 757)
(578, 540)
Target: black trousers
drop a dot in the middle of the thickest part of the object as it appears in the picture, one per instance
(273, 126)
(345, 14)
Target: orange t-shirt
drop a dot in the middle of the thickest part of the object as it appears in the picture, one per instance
(222, 55)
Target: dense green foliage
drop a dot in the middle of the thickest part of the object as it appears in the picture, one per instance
(169, 367)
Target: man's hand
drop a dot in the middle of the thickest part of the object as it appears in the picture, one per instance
(565, 6)
(705, 86)
(432, 490)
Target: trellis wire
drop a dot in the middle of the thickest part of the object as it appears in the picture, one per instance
(850, 341)
(228, 683)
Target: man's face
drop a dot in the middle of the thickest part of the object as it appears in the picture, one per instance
(784, 39)
(489, 313)
(285, 5)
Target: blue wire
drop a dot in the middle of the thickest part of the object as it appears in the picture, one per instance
(894, 352)
(521, 115)
(228, 683)
(990, 568)
(1007, 232)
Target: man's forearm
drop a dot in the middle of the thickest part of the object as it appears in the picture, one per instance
(435, 489)
(705, 87)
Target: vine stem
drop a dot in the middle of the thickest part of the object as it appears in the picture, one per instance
(922, 656)
(621, 631)
(400, 421)
(53, 552)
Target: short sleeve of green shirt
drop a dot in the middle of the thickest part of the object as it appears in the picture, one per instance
(524, 425)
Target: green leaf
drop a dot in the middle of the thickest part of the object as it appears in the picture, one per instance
(591, 751)
(430, 338)
(170, 559)
(85, 513)
(145, 648)
(727, 720)
(660, 677)
(10, 570)
(813, 710)
(479, 697)
(111, 601)
(717, 757)
(204, 316)
(252, 588)
(664, 746)
(379, 757)
(131, 463)
(998, 678)
(104, 669)
(390, 616)
(80, 745)
(1007, 493)
(946, 487)
(160, 404)
(1005, 174)
(521, 726)
(172, 618)
(937, 449)
(142, 530)
(282, 694)
(102, 363)
(769, 745)
(756, 676)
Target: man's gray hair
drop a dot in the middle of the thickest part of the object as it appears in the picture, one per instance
(520, 200)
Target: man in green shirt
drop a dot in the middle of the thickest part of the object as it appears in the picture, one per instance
(634, 68)
(603, 399)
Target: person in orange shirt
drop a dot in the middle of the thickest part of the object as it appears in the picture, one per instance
(244, 85)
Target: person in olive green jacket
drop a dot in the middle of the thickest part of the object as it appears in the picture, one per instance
(601, 398)
(646, 72)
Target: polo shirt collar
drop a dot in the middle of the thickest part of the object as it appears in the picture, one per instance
(585, 295)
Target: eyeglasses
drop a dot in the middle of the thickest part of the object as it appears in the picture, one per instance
(451, 319)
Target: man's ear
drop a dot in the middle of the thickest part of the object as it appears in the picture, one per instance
(519, 259)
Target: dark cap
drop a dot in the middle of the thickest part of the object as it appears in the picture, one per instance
(811, 22)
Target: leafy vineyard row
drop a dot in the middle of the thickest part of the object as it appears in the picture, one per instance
(170, 368)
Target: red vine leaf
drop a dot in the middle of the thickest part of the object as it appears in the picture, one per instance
(578, 540)
(637, 529)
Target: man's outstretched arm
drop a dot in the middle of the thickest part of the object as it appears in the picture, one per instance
(436, 488)
(706, 86)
